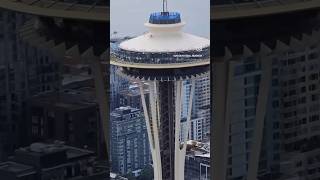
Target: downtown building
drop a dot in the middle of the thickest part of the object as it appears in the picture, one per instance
(43, 161)
(197, 161)
(37, 39)
(132, 96)
(201, 111)
(130, 150)
(62, 116)
(16, 87)
(265, 98)
(117, 87)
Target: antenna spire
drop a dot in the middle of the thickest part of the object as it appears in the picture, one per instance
(164, 6)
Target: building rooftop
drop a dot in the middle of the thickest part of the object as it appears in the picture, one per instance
(17, 168)
(75, 78)
(42, 149)
(97, 10)
(31, 161)
(234, 9)
(134, 90)
(114, 176)
(68, 99)
(122, 113)
(123, 110)
(199, 149)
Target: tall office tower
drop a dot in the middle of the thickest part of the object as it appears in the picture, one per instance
(164, 58)
(49, 33)
(202, 107)
(117, 85)
(202, 94)
(130, 150)
(62, 116)
(265, 100)
(200, 120)
(198, 161)
(200, 126)
(3, 110)
(132, 97)
(13, 84)
(43, 161)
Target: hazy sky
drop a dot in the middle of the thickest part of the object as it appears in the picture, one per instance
(128, 16)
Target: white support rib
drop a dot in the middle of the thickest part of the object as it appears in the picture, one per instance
(193, 84)
(183, 150)
(177, 159)
(261, 113)
(147, 119)
(220, 94)
(153, 106)
(180, 152)
(158, 104)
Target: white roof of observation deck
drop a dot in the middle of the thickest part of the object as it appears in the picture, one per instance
(165, 38)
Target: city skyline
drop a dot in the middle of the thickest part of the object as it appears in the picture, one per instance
(66, 113)
(139, 10)
(167, 63)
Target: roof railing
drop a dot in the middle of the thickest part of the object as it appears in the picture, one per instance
(165, 18)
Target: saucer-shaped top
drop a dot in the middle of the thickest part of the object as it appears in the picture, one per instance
(164, 46)
(165, 38)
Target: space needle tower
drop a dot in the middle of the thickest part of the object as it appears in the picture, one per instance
(164, 58)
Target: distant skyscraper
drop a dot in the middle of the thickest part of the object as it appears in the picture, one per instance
(265, 102)
(130, 149)
(33, 48)
(197, 161)
(42, 161)
(164, 58)
(200, 120)
(202, 94)
(132, 97)
(15, 84)
(118, 85)
(62, 116)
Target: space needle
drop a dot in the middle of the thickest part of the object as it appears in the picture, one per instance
(164, 58)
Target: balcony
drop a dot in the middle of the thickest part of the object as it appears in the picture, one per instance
(160, 58)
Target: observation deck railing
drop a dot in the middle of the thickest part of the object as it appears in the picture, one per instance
(165, 18)
(161, 58)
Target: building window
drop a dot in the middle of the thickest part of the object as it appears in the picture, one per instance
(250, 112)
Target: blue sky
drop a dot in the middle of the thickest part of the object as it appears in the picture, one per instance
(128, 16)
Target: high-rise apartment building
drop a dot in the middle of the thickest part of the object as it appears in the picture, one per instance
(36, 39)
(201, 115)
(265, 98)
(117, 85)
(42, 161)
(130, 150)
(14, 83)
(197, 161)
(63, 116)
(132, 97)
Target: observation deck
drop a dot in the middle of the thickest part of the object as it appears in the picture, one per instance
(164, 46)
